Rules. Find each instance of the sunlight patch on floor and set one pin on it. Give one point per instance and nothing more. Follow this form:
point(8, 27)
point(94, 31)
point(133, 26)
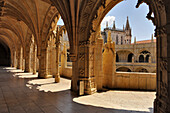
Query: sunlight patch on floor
point(25, 75)
point(49, 85)
point(126, 100)
point(41, 81)
point(10, 69)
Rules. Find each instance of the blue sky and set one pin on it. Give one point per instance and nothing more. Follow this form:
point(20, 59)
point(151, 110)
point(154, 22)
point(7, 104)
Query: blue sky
point(142, 28)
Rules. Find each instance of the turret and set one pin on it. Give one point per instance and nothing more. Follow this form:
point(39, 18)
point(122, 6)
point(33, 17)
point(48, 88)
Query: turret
point(135, 40)
point(114, 25)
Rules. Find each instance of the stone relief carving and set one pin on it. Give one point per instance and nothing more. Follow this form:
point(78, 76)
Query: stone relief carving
point(163, 63)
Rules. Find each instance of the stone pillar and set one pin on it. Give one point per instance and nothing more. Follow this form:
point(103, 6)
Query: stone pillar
point(83, 68)
point(37, 64)
point(27, 60)
point(63, 58)
point(43, 63)
point(23, 64)
point(162, 101)
point(74, 80)
point(49, 58)
point(19, 66)
point(57, 75)
point(150, 59)
point(109, 63)
point(99, 63)
point(35, 59)
point(14, 60)
point(133, 59)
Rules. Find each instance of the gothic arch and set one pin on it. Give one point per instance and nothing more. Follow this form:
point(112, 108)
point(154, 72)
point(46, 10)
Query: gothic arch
point(123, 69)
point(5, 57)
point(141, 69)
point(49, 23)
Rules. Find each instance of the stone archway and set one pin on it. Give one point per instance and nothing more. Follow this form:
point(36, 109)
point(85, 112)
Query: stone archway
point(83, 27)
point(5, 57)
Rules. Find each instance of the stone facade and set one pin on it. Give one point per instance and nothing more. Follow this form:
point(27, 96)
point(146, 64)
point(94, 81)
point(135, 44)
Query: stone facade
point(139, 56)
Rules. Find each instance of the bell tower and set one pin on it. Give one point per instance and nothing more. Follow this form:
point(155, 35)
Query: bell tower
point(128, 32)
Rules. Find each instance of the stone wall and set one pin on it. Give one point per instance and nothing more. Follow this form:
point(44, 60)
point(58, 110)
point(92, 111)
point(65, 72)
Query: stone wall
point(134, 80)
point(125, 80)
point(67, 73)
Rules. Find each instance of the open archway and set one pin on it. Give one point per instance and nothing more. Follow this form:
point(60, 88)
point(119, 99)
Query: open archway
point(143, 70)
point(130, 56)
point(5, 57)
point(123, 69)
point(141, 58)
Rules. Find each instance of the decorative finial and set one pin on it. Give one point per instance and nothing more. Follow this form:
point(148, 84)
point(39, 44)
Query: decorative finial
point(135, 40)
point(109, 36)
point(114, 25)
point(152, 38)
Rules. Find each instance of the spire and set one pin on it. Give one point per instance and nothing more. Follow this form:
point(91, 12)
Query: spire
point(127, 24)
point(106, 24)
point(114, 25)
point(123, 27)
point(135, 40)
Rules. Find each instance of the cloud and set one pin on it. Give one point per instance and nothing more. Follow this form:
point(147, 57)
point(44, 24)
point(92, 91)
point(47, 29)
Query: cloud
point(108, 19)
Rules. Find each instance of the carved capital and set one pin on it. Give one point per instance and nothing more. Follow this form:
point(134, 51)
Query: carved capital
point(160, 31)
point(84, 43)
point(160, 5)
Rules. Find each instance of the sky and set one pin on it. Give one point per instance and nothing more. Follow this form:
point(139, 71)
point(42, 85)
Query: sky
point(142, 28)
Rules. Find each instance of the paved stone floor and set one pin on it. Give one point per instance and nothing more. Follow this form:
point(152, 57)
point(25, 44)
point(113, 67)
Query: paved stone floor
point(24, 93)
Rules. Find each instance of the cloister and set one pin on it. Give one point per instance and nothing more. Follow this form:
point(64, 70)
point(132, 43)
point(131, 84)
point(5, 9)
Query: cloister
point(30, 40)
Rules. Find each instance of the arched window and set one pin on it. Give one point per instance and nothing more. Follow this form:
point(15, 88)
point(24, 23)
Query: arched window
point(117, 58)
point(117, 40)
point(141, 58)
point(130, 57)
point(147, 58)
point(121, 40)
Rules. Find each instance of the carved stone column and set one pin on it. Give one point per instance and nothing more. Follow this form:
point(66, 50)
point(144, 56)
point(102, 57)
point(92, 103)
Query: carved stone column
point(27, 60)
point(86, 67)
point(53, 61)
point(19, 66)
point(162, 101)
point(23, 64)
point(99, 63)
point(57, 75)
point(35, 59)
point(14, 59)
point(63, 58)
point(43, 63)
point(49, 59)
